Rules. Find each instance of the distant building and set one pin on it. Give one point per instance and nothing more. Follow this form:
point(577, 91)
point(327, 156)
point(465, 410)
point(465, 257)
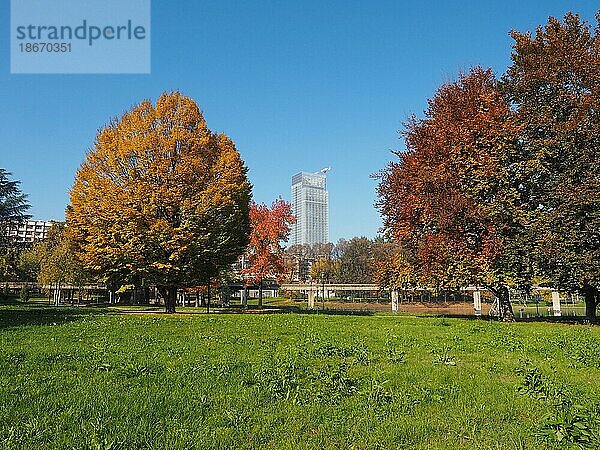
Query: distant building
point(301, 269)
point(310, 205)
point(26, 233)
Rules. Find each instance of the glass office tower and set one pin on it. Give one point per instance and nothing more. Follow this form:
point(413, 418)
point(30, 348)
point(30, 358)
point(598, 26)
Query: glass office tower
point(310, 205)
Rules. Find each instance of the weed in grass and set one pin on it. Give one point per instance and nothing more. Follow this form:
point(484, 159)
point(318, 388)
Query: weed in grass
point(503, 338)
point(566, 425)
point(583, 349)
point(96, 436)
point(533, 383)
point(238, 419)
point(396, 356)
point(281, 380)
point(135, 370)
point(333, 384)
point(104, 367)
point(443, 322)
point(14, 359)
point(221, 369)
point(494, 368)
point(359, 352)
point(568, 428)
point(443, 356)
point(328, 350)
point(379, 394)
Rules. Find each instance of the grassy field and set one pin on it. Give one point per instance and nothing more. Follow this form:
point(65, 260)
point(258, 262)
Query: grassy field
point(94, 378)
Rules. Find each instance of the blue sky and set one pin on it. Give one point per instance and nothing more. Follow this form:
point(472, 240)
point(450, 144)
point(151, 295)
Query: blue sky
point(297, 85)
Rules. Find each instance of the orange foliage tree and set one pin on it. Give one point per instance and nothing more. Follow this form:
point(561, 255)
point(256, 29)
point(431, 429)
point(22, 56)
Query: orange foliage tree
point(160, 198)
point(269, 227)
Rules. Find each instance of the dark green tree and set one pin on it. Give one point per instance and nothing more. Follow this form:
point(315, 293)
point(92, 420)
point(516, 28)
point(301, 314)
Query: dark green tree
point(553, 85)
point(13, 203)
point(13, 209)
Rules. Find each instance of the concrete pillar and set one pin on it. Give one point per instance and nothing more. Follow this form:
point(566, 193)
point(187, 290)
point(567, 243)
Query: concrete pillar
point(394, 300)
point(556, 303)
point(244, 297)
point(477, 302)
point(311, 299)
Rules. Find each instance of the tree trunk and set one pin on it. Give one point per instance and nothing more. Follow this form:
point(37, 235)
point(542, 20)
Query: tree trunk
point(58, 294)
point(197, 298)
point(169, 294)
point(260, 293)
point(136, 294)
point(146, 295)
point(590, 294)
point(208, 299)
point(505, 310)
point(172, 299)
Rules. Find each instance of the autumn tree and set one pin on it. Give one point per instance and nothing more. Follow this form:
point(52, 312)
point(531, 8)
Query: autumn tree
point(29, 262)
point(297, 262)
point(324, 269)
point(449, 202)
point(160, 198)
point(390, 269)
point(321, 250)
point(553, 85)
point(356, 261)
point(53, 262)
point(269, 227)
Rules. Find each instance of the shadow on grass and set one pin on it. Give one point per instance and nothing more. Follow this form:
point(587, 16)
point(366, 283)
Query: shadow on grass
point(573, 320)
point(293, 309)
point(577, 320)
point(16, 314)
point(339, 312)
point(19, 314)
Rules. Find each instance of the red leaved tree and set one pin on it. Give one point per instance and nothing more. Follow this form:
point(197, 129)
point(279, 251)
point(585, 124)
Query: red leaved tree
point(269, 227)
point(444, 202)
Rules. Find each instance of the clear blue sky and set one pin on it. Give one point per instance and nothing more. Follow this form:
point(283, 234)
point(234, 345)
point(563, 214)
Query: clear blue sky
point(297, 85)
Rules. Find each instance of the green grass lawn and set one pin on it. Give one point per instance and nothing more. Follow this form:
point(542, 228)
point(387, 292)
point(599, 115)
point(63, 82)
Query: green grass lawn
point(91, 378)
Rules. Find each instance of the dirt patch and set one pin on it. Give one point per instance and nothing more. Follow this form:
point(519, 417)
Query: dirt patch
point(450, 308)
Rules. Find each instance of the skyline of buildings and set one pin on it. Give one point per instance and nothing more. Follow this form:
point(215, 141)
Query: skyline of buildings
point(310, 205)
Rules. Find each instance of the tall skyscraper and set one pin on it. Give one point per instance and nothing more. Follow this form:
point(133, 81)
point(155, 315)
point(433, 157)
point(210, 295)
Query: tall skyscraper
point(310, 205)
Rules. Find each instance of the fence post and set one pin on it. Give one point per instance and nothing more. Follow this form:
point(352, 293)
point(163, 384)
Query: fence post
point(477, 302)
point(394, 300)
point(556, 303)
point(311, 299)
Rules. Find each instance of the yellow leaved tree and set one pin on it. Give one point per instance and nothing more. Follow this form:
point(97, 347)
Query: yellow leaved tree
point(161, 198)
